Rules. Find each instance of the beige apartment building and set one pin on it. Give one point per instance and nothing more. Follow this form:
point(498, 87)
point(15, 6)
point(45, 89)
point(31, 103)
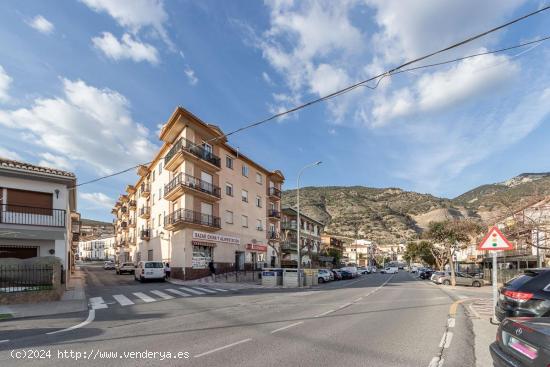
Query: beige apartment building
point(200, 200)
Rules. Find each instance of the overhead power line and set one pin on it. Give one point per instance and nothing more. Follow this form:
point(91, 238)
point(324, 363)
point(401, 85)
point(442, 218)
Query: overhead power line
point(393, 71)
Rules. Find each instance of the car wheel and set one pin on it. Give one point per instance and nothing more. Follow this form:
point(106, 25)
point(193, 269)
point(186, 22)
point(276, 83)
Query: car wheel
point(446, 282)
point(476, 284)
point(321, 280)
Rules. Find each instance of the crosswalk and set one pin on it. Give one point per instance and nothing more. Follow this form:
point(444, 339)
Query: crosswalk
point(152, 295)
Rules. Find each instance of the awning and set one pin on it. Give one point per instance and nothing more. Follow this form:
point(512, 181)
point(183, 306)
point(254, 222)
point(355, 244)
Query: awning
point(203, 243)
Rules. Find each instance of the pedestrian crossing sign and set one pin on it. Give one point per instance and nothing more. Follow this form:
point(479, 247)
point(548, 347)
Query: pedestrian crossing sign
point(495, 241)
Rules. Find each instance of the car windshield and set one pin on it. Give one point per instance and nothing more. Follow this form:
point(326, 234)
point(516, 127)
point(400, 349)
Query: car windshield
point(154, 265)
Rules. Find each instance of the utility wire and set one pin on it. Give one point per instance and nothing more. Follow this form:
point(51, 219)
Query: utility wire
point(395, 70)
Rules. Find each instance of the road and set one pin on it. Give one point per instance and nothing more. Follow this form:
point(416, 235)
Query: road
point(375, 320)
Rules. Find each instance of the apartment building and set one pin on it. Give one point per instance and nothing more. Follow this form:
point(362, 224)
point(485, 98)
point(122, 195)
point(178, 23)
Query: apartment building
point(97, 248)
point(331, 247)
point(310, 238)
point(200, 200)
point(37, 212)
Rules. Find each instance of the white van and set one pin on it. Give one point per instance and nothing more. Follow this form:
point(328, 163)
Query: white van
point(390, 270)
point(149, 270)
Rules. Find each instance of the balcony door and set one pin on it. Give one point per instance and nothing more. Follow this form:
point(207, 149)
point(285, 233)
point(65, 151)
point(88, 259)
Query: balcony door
point(206, 213)
point(206, 181)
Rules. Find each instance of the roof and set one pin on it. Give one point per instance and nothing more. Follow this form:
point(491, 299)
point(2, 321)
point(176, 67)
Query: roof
point(291, 211)
point(11, 164)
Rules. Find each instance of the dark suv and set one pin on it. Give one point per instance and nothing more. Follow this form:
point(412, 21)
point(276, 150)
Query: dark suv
point(527, 295)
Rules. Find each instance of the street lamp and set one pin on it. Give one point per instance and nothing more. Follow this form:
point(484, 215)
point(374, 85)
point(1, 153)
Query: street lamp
point(298, 215)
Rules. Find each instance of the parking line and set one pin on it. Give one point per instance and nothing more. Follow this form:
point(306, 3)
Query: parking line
point(97, 303)
point(220, 290)
point(123, 300)
point(448, 339)
point(286, 327)
point(205, 290)
point(175, 291)
point(89, 319)
point(325, 313)
point(191, 290)
point(162, 294)
point(222, 348)
point(4, 341)
point(144, 297)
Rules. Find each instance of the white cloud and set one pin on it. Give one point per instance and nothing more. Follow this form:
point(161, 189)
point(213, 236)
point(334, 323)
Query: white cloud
point(4, 153)
point(41, 24)
point(134, 14)
point(127, 48)
point(98, 199)
point(5, 82)
point(267, 78)
point(190, 73)
point(89, 127)
point(55, 161)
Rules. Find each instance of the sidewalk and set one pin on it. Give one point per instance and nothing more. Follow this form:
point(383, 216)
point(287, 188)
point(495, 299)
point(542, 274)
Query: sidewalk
point(220, 282)
point(73, 300)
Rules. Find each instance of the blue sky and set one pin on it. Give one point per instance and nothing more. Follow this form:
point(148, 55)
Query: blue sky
point(85, 84)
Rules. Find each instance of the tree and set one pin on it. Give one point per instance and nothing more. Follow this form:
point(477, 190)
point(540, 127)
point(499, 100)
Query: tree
point(447, 237)
point(420, 251)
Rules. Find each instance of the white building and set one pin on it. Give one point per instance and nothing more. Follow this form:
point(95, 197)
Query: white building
point(37, 212)
point(97, 248)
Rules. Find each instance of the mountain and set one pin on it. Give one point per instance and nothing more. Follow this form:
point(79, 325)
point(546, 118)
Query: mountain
point(392, 215)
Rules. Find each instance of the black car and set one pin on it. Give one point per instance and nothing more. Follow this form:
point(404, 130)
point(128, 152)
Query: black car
point(527, 295)
point(425, 274)
point(522, 342)
point(346, 274)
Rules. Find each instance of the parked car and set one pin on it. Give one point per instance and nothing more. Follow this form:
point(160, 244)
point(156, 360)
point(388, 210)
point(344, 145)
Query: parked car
point(436, 275)
point(125, 268)
point(352, 270)
point(390, 270)
point(346, 274)
point(149, 270)
point(461, 279)
point(109, 265)
point(324, 275)
point(522, 342)
point(527, 295)
point(425, 274)
point(365, 270)
point(337, 274)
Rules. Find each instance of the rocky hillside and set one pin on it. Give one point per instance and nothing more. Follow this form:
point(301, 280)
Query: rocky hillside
point(392, 215)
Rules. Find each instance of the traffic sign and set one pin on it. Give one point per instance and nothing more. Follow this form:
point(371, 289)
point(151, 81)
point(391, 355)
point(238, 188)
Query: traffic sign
point(495, 241)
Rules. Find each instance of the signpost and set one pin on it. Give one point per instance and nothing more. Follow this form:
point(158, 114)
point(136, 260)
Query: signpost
point(495, 241)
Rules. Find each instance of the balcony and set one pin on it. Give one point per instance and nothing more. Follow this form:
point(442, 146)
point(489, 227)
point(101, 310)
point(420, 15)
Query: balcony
point(145, 190)
point(184, 183)
point(274, 193)
point(289, 226)
point(184, 147)
point(185, 217)
point(145, 234)
point(132, 205)
point(273, 214)
point(144, 212)
point(32, 216)
point(132, 223)
point(273, 235)
point(289, 246)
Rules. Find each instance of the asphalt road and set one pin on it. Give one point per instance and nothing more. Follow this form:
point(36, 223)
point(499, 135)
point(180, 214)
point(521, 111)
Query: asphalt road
point(375, 320)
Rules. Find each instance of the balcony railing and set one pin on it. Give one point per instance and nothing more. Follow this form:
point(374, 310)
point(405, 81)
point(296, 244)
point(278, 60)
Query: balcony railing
point(272, 235)
point(289, 225)
point(132, 204)
point(196, 150)
point(145, 234)
point(145, 189)
point(273, 191)
point(144, 210)
point(190, 216)
point(194, 183)
point(289, 246)
point(272, 213)
point(33, 216)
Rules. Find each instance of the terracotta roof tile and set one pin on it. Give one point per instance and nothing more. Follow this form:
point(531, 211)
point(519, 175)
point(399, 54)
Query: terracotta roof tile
point(8, 163)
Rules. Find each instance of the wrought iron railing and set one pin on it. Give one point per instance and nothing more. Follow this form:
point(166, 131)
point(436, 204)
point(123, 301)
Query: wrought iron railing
point(28, 215)
point(190, 216)
point(273, 191)
point(25, 278)
point(272, 213)
point(192, 182)
point(196, 150)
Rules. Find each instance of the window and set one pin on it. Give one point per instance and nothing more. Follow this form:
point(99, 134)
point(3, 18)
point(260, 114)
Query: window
point(153, 199)
point(258, 201)
point(259, 225)
point(160, 193)
point(228, 162)
point(244, 221)
point(259, 178)
point(228, 189)
point(228, 217)
point(208, 148)
point(160, 168)
point(160, 218)
point(244, 195)
point(245, 170)
point(153, 175)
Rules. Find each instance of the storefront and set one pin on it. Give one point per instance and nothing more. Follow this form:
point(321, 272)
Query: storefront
point(256, 255)
point(203, 253)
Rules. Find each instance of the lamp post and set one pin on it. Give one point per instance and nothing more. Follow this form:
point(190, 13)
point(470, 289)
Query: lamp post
point(298, 216)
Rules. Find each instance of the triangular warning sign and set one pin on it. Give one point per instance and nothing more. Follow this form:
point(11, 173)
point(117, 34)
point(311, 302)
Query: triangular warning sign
point(495, 240)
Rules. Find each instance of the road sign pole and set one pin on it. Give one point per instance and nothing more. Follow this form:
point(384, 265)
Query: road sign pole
point(495, 292)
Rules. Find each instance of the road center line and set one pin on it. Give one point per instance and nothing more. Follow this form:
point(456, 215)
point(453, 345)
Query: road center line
point(286, 327)
point(451, 322)
point(91, 317)
point(4, 341)
point(224, 347)
point(325, 313)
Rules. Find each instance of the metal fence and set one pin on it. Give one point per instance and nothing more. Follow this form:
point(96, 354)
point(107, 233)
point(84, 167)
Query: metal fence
point(503, 275)
point(25, 278)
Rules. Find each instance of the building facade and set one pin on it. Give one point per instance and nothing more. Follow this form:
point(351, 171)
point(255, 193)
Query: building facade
point(97, 248)
point(310, 238)
point(199, 200)
point(38, 214)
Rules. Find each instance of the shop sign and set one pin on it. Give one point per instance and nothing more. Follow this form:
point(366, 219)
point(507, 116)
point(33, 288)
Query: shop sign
point(256, 247)
point(197, 235)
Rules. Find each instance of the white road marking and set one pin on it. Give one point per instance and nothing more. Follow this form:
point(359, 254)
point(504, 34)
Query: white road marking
point(97, 303)
point(222, 348)
point(325, 313)
point(358, 299)
point(162, 294)
point(175, 291)
point(446, 340)
point(144, 297)
point(286, 327)
point(4, 341)
point(205, 290)
point(123, 300)
point(436, 362)
point(220, 290)
point(191, 290)
point(442, 340)
point(91, 317)
point(462, 296)
point(451, 322)
point(344, 306)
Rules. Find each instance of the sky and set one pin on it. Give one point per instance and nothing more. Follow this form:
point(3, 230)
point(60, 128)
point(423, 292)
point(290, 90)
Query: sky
point(85, 85)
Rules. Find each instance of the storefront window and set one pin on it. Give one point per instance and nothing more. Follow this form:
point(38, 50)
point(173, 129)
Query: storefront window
point(202, 255)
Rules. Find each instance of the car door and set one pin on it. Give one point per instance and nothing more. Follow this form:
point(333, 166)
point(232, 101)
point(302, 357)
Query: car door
point(461, 279)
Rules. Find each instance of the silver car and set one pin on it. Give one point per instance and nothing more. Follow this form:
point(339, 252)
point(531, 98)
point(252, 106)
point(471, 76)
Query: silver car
point(461, 279)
